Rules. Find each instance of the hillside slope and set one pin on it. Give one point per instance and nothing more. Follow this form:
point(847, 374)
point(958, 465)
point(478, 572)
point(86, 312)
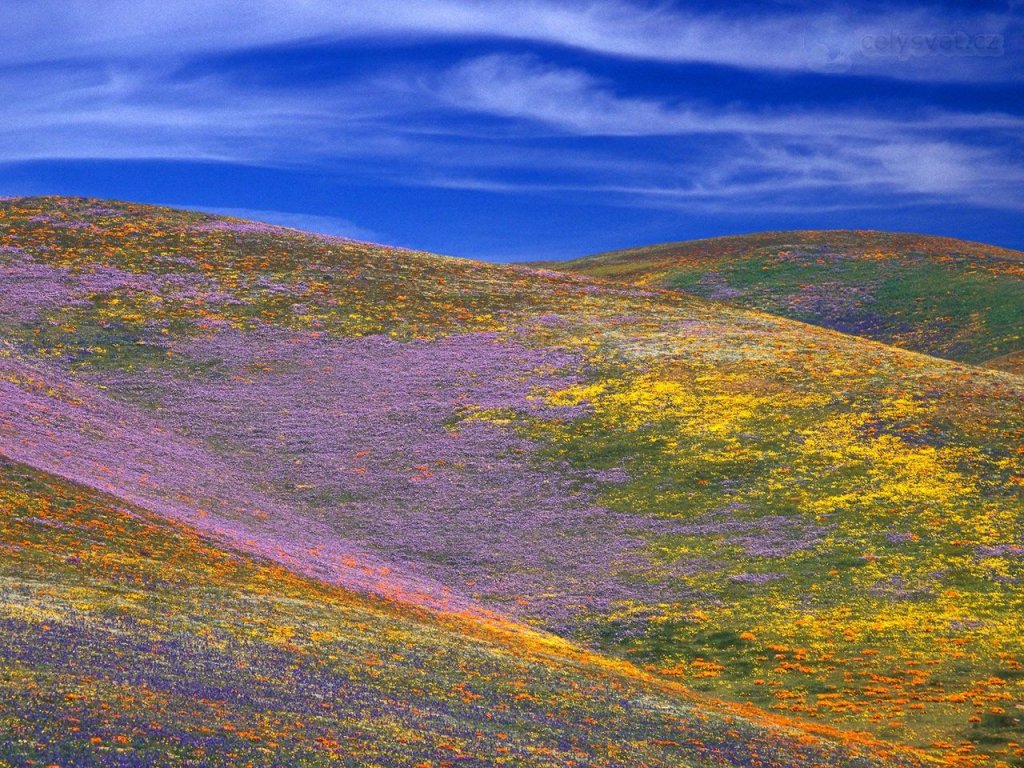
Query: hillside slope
point(768, 512)
point(951, 298)
point(131, 641)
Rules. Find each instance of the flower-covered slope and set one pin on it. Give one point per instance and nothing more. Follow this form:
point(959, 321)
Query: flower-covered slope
point(772, 513)
point(946, 297)
point(130, 641)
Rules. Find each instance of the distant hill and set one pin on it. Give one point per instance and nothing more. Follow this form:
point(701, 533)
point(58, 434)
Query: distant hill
point(946, 297)
point(215, 428)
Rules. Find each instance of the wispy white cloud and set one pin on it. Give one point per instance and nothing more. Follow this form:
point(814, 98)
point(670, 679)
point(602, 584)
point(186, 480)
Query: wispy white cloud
point(113, 85)
point(825, 172)
point(323, 225)
point(908, 43)
point(757, 156)
point(113, 111)
point(574, 101)
point(768, 154)
point(794, 175)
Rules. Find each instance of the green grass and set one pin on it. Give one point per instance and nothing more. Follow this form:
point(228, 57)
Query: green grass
point(958, 300)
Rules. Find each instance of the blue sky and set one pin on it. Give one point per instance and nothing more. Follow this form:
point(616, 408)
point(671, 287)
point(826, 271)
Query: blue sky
point(525, 129)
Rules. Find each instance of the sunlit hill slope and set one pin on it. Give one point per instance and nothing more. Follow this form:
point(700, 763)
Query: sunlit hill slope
point(947, 297)
point(343, 488)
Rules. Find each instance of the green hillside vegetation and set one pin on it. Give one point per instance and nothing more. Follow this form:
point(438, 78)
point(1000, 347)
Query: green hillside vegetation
point(951, 298)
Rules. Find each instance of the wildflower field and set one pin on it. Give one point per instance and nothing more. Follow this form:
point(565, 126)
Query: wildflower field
point(282, 499)
point(945, 297)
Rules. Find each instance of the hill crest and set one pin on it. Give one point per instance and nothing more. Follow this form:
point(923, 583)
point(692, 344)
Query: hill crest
point(951, 298)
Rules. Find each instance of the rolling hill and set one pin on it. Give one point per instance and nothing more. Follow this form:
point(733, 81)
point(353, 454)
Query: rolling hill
point(129, 640)
point(951, 298)
point(656, 500)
